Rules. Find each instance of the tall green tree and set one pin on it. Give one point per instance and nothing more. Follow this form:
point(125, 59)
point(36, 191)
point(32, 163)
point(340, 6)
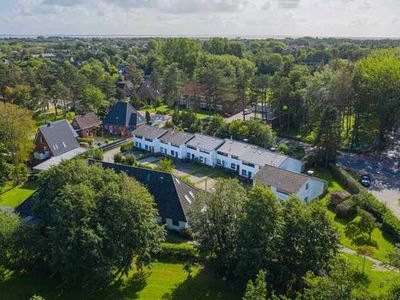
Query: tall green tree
point(93, 99)
point(260, 232)
point(258, 289)
point(172, 84)
point(328, 135)
point(377, 88)
point(97, 223)
point(215, 219)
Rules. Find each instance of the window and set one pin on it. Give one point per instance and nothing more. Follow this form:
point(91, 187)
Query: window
point(191, 147)
point(203, 151)
point(172, 152)
point(244, 173)
point(149, 140)
point(136, 144)
point(161, 149)
point(175, 222)
point(306, 199)
point(146, 147)
point(233, 166)
point(248, 164)
point(222, 153)
point(188, 155)
point(307, 186)
point(234, 157)
point(218, 162)
point(175, 145)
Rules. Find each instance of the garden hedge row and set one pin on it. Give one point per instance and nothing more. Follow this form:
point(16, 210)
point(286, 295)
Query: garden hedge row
point(349, 182)
point(181, 252)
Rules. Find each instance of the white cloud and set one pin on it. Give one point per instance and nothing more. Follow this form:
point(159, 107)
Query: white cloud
point(361, 18)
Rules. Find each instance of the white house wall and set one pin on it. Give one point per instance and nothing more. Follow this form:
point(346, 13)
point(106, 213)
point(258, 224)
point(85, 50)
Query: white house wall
point(174, 151)
point(152, 146)
point(209, 159)
point(312, 189)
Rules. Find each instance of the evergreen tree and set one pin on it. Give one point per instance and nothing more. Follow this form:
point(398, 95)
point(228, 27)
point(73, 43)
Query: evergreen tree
point(328, 135)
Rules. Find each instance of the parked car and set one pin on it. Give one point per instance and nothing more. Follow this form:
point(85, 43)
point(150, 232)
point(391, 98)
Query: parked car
point(365, 180)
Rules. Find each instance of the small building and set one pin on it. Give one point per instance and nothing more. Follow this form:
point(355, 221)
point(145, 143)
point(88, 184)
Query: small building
point(203, 149)
point(173, 143)
point(86, 125)
point(54, 139)
point(285, 183)
point(147, 138)
point(172, 196)
point(339, 196)
point(122, 119)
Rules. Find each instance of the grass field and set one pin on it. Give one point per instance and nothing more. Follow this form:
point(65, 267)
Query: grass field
point(165, 280)
point(12, 195)
point(377, 283)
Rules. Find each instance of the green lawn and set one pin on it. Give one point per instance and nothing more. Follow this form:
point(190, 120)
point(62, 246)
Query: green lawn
point(165, 280)
point(381, 243)
point(377, 282)
point(167, 110)
point(14, 195)
point(334, 184)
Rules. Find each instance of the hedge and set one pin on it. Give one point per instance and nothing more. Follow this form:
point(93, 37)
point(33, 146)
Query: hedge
point(127, 147)
point(181, 252)
point(349, 182)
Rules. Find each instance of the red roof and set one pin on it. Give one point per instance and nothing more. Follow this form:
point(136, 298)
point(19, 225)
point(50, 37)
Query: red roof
point(192, 88)
point(88, 120)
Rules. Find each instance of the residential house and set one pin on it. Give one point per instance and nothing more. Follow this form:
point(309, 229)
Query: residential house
point(54, 138)
point(127, 88)
point(285, 183)
point(147, 92)
point(247, 159)
point(203, 149)
point(56, 141)
point(173, 143)
point(86, 125)
point(122, 119)
point(147, 138)
point(171, 195)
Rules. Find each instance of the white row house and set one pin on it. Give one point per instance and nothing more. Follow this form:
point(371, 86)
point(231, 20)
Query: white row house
point(247, 159)
point(280, 172)
point(148, 138)
point(203, 148)
point(173, 143)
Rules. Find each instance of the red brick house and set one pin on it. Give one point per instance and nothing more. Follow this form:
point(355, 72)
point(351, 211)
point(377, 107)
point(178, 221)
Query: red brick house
point(86, 125)
point(122, 119)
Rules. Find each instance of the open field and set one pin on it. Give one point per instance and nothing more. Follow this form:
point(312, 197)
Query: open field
point(12, 195)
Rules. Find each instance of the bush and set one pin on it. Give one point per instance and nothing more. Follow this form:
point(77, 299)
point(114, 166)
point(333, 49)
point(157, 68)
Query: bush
point(96, 154)
point(347, 209)
point(86, 140)
point(119, 158)
point(181, 252)
point(165, 165)
point(130, 159)
point(127, 147)
point(283, 148)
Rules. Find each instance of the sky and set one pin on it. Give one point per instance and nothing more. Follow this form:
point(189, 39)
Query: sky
point(251, 18)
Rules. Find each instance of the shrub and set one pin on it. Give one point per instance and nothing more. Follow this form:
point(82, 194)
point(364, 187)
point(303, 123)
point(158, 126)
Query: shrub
point(96, 154)
point(86, 140)
point(165, 165)
point(347, 209)
point(119, 158)
point(283, 148)
point(127, 147)
point(181, 252)
point(130, 159)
